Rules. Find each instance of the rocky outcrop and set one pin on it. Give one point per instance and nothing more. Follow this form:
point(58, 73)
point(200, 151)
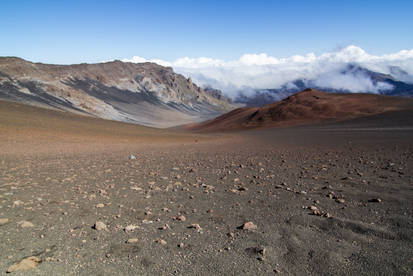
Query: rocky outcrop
point(144, 93)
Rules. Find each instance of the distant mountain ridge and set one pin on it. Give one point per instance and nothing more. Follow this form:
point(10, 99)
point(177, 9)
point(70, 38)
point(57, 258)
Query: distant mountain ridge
point(399, 83)
point(144, 93)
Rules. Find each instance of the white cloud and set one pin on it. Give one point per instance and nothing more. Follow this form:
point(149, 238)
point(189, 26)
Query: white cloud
point(261, 71)
point(135, 59)
point(357, 83)
point(138, 59)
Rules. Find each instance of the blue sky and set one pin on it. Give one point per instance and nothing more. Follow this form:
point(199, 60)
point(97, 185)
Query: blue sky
point(93, 31)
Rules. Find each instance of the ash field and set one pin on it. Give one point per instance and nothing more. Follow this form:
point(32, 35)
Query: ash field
point(87, 196)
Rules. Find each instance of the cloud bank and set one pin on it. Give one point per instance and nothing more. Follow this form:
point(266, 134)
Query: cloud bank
point(261, 71)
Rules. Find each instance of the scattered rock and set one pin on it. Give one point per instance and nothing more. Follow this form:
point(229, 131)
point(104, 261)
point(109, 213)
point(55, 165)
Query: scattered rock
point(131, 227)
point(313, 208)
point(161, 242)
point(321, 214)
point(249, 226)
point(181, 218)
point(195, 226)
point(100, 226)
point(377, 200)
point(25, 264)
point(164, 227)
point(18, 203)
point(25, 224)
point(262, 251)
point(317, 212)
point(133, 240)
point(331, 195)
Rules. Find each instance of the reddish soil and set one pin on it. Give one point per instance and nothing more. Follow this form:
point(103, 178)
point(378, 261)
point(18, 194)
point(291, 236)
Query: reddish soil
point(307, 107)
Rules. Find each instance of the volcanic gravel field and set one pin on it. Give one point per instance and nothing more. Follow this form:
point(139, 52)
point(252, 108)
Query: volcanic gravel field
point(83, 196)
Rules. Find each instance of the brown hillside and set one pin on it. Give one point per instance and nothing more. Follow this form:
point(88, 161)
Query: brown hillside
point(307, 107)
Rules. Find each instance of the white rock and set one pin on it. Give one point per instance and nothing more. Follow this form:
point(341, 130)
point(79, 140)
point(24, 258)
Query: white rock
point(249, 226)
point(161, 242)
point(100, 226)
point(25, 224)
point(131, 227)
point(25, 264)
point(133, 240)
point(17, 203)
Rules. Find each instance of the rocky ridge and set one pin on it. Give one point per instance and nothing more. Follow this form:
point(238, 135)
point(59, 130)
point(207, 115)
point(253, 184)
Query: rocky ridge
point(144, 93)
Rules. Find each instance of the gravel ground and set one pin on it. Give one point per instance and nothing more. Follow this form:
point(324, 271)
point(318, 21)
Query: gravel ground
point(320, 202)
point(102, 198)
